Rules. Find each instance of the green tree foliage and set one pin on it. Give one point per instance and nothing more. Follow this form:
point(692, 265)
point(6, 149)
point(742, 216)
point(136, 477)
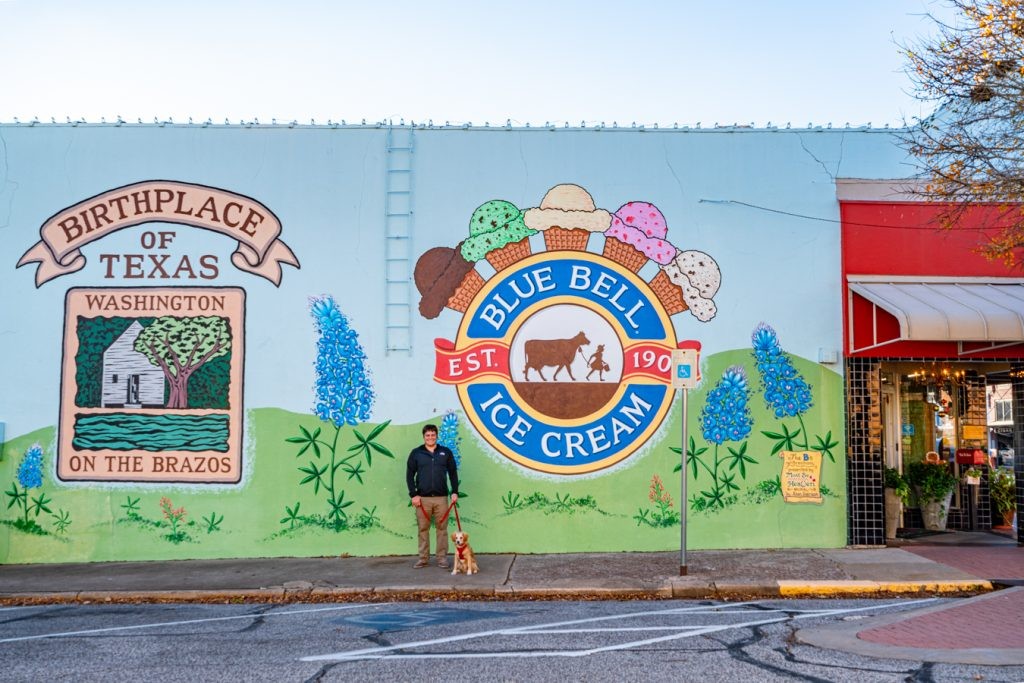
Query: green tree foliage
point(208, 387)
point(180, 346)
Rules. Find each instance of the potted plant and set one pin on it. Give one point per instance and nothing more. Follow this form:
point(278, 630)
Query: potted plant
point(1001, 487)
point(933, 486)
point(972, 477)
point(897, 494)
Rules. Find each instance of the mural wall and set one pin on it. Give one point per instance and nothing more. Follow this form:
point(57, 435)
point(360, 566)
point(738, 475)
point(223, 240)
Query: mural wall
point(224, 341)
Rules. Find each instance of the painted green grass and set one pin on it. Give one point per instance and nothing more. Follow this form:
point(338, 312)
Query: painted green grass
point(596, 513)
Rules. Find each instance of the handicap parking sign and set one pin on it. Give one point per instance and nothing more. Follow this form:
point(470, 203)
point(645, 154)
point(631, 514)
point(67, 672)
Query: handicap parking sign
point(687, 372)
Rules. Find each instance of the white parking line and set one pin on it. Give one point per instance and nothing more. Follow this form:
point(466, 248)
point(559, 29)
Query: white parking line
point(67, 634)
point(374, 651)
point(387, 652)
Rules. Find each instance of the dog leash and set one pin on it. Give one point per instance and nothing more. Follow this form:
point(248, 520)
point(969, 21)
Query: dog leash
point(453, 506)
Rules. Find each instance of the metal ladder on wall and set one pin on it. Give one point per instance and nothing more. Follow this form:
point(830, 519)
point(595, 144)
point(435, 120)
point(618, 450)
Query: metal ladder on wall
point(398, 224)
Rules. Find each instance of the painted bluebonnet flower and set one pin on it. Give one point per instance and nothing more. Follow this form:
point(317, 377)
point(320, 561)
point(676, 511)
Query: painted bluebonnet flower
point(785, 390)
point(726, 415)
point(30, 471)
point(449, 435)
point(344, 394)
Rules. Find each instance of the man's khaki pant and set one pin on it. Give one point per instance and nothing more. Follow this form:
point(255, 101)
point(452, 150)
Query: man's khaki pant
point(434, 507)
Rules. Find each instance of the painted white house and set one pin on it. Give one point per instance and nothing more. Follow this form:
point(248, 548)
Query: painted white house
point(129, 379)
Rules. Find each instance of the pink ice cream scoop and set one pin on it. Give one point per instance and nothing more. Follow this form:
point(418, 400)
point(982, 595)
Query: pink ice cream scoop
point(641, 225)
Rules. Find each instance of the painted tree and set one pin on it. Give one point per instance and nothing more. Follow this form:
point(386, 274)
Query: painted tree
point(180, 346)
point(969, 151)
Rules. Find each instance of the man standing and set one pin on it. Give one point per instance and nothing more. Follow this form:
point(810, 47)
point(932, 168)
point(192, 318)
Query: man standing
point(427, 473)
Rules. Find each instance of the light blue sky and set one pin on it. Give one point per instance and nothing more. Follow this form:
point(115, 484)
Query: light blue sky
point(530, 61)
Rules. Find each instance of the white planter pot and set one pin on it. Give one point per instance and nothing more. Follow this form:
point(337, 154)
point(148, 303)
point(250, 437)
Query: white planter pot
point(893, 510)
point(935, 513)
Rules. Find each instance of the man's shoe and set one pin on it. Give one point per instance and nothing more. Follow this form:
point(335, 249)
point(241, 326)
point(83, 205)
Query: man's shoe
point(420, 565)
point(442, 563)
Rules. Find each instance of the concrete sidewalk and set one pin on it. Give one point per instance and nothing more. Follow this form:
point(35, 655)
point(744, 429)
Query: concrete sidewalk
point(916, 570)
point(721, 574)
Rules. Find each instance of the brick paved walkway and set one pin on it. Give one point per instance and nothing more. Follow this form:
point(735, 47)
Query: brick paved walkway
point(992, 621)
point(984, 562)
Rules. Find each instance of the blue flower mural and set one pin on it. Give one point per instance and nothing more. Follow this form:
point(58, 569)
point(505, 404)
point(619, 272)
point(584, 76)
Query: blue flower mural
point(785, 390)
point(724, 418)
point(449, 435)
point(30, 476)
point(786, 393)
point(344, 394)
point(344, 397)
point(30, 471)
point(726, 415)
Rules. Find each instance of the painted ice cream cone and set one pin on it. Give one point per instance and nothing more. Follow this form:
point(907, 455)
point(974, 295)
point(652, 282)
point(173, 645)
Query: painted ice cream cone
point(567, 217)
point(497, 232)
point(445, 278)
point(637, 234)
point(696, 277)
point(463, 296)
point(670, 295)
point(503, 257)
point(560, 239)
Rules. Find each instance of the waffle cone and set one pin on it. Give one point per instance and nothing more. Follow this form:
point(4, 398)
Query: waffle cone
point(560, 239)
point(624, 254)
point(670, 295)
point(510, 253)
point(467, 289)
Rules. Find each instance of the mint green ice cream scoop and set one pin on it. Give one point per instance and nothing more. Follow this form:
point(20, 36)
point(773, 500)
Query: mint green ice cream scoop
point(493, 225)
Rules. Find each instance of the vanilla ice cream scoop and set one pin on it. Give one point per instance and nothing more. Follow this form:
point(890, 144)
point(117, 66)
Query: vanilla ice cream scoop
point(698, 276)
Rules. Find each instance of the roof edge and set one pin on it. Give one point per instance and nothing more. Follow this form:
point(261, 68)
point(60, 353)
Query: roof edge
point(935, 279)
point(864, 190)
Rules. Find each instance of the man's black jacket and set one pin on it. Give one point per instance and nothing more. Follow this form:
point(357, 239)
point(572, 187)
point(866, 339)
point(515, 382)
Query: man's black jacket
point(425, 472)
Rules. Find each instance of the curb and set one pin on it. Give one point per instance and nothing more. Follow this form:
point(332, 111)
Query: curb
point(831, 589)
point(693, 588)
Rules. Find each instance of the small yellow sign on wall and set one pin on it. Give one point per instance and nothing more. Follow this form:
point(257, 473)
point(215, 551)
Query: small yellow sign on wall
point(974, 432)
point(801, 476)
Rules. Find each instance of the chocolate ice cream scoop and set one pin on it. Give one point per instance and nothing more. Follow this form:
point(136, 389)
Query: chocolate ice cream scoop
point(438, 274)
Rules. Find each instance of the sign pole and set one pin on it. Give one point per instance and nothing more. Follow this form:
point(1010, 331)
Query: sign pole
point(685, 376)
point(682, 488)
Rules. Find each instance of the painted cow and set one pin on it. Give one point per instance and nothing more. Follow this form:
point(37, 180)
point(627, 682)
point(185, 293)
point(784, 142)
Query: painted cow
point(557, 353)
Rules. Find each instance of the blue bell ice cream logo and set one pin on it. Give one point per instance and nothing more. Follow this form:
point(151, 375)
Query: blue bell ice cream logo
point(562, 360)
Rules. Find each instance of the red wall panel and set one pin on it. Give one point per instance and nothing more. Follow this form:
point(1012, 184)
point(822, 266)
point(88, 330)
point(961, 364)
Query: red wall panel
point(887, 238)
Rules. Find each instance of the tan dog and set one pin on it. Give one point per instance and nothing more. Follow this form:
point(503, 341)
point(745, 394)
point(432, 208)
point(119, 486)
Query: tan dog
point(464, 560)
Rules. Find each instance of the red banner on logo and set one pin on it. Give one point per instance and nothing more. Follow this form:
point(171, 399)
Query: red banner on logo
point(647, 360)
point(458, 366)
